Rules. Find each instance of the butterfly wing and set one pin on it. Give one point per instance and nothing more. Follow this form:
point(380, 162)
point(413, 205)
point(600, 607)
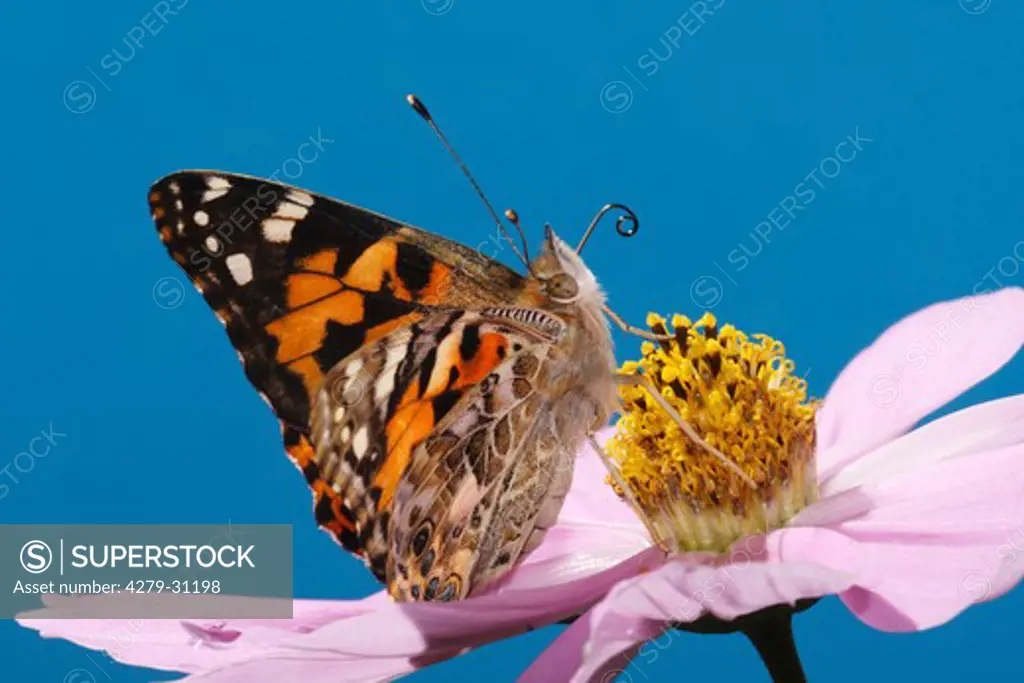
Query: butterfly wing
point(374, 410)
point(301, 282)
point(438, 439)
point(482, 489)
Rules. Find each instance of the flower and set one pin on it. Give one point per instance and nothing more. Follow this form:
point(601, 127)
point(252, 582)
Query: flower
point(904, 524)
point(754, 467)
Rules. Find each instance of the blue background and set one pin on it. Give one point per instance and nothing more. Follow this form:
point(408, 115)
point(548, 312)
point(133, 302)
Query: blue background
point(556, 108)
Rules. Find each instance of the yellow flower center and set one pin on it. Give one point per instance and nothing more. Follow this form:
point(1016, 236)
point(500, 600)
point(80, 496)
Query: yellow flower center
point(740, 396)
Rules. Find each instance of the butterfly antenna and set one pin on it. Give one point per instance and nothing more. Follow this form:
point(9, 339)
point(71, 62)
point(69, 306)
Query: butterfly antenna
point(513, 218)
point(623, 230)
point(420, 109)
point(627, 215)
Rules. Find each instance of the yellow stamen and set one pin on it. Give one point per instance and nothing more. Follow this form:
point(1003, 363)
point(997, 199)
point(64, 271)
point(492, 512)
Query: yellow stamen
point(740, 396)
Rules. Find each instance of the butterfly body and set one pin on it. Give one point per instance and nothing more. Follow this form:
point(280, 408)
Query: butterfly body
point(432, 398)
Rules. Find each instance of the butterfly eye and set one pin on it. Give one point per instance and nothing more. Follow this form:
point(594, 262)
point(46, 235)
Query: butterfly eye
point(562, 287)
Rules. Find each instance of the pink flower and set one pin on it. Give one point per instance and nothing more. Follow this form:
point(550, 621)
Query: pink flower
point(907, 530)
point(911, 527)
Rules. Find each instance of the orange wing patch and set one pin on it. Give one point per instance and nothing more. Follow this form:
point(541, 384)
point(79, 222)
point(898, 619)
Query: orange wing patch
point(317, 297)
point(302, 331)
point(321, 262)
point(461, 363)
point(382, 263)
point(368, 272)
point(298, 448)
point(492, 351)
point(405, 430)
point(309, 370)
point(438, 284)
point(315, 281)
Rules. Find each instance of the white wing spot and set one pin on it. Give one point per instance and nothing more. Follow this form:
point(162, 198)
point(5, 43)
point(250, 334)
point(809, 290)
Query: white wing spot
point(181, 227)
point(346, 432)
point(300, 198)
point(278, 230)
point(360, 442)
point(178, 205)
point(201, 218)
point(212, 245)
point(210, 195)
point(217, 183)
point(386, 384)
point(290, 210)
point(175, 188)
point(339, 414)
point(240, 268)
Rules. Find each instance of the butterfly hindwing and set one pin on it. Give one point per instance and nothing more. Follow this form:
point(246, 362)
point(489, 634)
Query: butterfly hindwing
point(375, 408)
point(475, 492)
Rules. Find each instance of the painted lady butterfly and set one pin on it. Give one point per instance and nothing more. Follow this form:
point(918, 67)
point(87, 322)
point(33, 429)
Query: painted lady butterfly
point(432, 397)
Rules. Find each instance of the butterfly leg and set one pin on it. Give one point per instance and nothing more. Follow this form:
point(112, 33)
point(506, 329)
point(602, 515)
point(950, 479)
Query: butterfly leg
point(617, 476)
point(645, 383)
point(631, 329)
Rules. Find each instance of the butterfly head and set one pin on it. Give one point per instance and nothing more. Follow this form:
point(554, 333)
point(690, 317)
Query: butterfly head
point(564, 277)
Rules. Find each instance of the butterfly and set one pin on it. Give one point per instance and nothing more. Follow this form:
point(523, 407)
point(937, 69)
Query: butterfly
point(432, 397)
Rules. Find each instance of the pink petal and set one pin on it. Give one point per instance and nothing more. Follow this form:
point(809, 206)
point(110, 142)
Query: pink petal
point(823, 547)
point(591, 499)
point(972, 499)
point(916, 587)
point(399, 638)
point(939, 539)
point(682, 591)
point(172, 645)
point(282, 665)
point(416, 628)
point(607, 655)
point(572, 551)
point(918, 365)
point(926, 543)
point(983, 427)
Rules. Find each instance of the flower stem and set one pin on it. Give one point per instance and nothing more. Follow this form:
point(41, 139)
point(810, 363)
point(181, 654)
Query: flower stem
point(772, 636)
point(769, 629)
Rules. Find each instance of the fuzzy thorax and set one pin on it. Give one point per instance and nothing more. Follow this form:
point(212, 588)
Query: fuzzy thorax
point(739, 394)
